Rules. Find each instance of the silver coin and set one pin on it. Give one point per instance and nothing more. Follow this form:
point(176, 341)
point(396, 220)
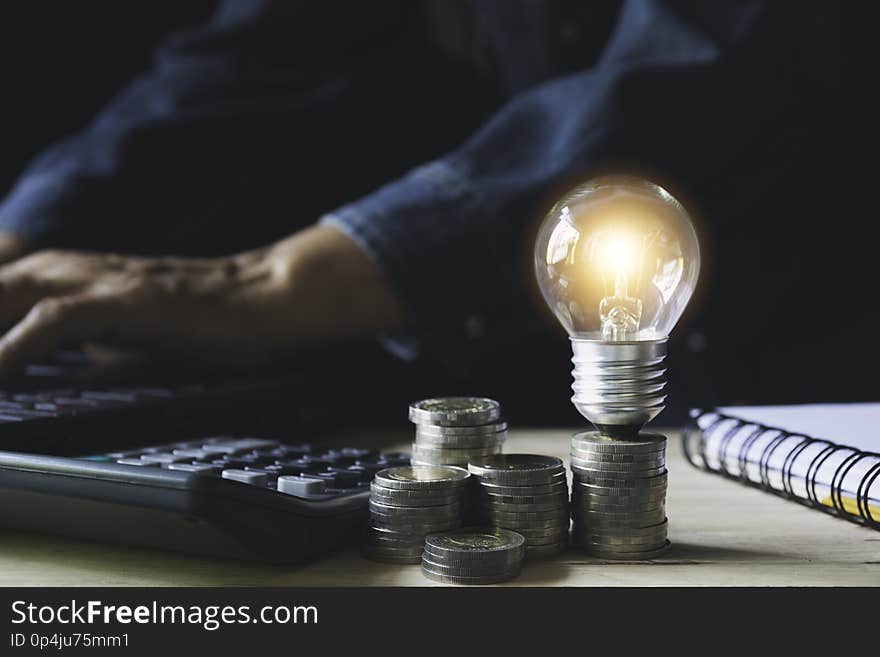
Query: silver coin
point(621, 555)
point(495, 442)
point(503, 507)
point(628, 502)
point(593, 440)
point(585, 498)
point(520, 511)
point(507, 556)
point(518, 469)
point(428, 494)
point(456, 579)
point(455, 411)
point(592, 489)
point(471, 431)
point(597, 519)
point(525, 527)
point(471, 540)
point(432, 477)
point(615, 469)
point(560, 486)
point(410, 503)
point(621, 542)
point(617, 481)
point(415, 513)
point(548, 498)
point(430, 453)
point(545, 551)
point(469, 570)
point(614, 457)
point(415, 527)
point(649, 532)
point(543, 532)
point(596, 504)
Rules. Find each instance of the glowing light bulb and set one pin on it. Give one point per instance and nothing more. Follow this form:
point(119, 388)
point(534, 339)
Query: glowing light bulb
point(617, 260)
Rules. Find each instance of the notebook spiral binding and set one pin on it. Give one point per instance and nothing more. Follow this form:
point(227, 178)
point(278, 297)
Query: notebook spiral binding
point(841, 462)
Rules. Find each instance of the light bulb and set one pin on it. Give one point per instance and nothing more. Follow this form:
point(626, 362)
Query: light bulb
point(617, 260)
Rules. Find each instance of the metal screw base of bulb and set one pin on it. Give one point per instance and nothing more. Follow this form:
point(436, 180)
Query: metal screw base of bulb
point(619, 386)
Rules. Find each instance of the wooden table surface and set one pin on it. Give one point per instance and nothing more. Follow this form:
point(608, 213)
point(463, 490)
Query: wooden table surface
point(723, 534)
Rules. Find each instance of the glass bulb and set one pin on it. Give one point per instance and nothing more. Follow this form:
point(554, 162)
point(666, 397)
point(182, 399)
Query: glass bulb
point(617, 259)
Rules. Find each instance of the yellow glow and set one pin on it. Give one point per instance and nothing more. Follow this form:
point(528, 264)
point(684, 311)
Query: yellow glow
point(620, 253)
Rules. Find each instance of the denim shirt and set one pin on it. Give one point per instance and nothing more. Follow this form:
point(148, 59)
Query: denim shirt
point(678, 89)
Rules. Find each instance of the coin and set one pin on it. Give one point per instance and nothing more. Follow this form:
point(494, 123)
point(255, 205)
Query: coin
point(658, 458)
point(593, 440)
point(415, 512)
point(518, 469)
point(415, 501)
point(560, 487)
point(592, 489)
point(422, 477)
point(628, 555)
point(483, 431)
point(531, 507)
point(475, 540)
point(495, 441)
point(457, 579)
point(545, 551)
point(616, 481)
point(427, 494)
point(560, 497)
point(615, 470)
point(423, 453)
point(414, 527)
point(455, 411)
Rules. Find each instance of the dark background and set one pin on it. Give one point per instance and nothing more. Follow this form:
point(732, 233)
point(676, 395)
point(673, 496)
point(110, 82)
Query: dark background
point(784, 313)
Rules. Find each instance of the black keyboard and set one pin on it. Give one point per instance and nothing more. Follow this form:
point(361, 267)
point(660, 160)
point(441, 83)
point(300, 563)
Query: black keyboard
point(69, 404)
point(231, 496)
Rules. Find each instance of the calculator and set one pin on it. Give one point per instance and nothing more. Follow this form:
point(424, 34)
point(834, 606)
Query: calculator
point(240, 497)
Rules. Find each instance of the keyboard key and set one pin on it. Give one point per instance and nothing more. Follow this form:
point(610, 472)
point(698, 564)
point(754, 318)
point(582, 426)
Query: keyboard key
point(345, 478)
point(163, 458)
point(192, 453)
point(301, 486)
point(245, 477)
point(199, 468)
point(136, 462)
point(107, 396)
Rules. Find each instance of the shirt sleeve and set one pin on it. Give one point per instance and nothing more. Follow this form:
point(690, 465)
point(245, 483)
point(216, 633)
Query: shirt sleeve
point(453, 236)
point(206, 137)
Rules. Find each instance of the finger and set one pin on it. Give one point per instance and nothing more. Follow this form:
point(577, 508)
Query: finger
point(52, 322)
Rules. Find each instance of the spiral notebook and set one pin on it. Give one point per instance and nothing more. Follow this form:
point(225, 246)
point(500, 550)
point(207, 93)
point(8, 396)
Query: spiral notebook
point(826, 456)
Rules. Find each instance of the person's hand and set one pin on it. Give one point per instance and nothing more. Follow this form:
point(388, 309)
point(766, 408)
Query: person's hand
point(250, 308)
point(12, 247)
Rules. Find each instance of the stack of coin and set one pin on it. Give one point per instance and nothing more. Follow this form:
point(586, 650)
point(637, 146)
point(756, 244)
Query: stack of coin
point(409, 502)
point(527, 494)
point(618, 498)
point(456, 430)
point(473, 556)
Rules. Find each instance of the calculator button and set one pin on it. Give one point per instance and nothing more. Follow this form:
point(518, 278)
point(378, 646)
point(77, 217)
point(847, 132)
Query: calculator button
point(246, 477)
point(162, 458)
point(292, 485)
point(192, 453)
point(344, 478)
point(135, 462)
point(201, 468)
